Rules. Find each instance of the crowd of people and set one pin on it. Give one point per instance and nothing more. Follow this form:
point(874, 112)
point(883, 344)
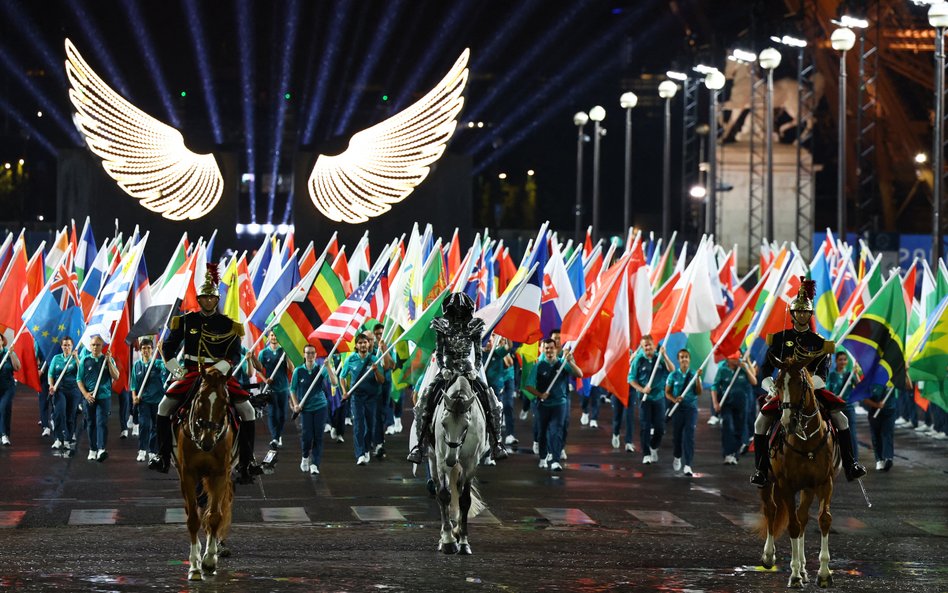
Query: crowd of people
point(361, 396)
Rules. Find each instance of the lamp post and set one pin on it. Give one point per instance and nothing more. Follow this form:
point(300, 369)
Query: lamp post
point(596, 114)
point(667, 90)
point(842, 41)
point(627, 101)
point(714, 81)
point(579, 120)
point(938, 18)
point(769, 59)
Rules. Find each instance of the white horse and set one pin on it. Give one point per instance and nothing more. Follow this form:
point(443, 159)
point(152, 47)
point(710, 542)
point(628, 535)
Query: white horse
point(460, 440)
point(785, 99)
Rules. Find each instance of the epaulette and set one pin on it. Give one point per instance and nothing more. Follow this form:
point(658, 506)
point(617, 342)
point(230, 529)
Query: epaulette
point(829, 346)
point(239, 329)
point(175, 322)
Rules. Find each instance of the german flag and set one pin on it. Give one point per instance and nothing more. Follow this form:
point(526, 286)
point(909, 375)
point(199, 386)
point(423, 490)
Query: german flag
point(307, 311)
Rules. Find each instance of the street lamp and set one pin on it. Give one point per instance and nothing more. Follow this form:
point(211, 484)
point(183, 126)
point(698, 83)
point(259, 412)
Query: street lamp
point(667, 90)
point(938, 18)
point(596, 114)
point(579, 120)
point(627, 101)
point(842, 41)
point(714, 81)
point(769, 59)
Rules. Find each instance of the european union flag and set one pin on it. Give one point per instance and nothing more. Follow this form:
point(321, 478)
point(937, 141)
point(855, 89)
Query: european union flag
point(49, 325)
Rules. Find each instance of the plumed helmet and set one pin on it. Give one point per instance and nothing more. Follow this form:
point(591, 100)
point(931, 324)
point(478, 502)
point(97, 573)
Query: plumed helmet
point(804, 299)
point(211, 279)
point(458, 304)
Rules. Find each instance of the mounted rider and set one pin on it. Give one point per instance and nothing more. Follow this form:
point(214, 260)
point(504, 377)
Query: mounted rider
point(211, 343)
point(458, 335)
point(784, 344)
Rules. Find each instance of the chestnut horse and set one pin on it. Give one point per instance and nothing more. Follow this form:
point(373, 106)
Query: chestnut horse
point(205, 454)
point(805, 462)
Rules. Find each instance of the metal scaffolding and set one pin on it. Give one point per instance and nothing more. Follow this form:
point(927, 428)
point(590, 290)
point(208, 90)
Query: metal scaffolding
point(689, 151)
point(805, 190)
point(757, 170)
point(867, 187)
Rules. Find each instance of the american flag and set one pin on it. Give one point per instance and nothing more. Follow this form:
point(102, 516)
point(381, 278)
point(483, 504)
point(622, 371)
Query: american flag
point(368, 300)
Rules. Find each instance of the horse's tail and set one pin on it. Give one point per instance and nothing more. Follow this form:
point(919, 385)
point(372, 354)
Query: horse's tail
point(781, 514)
point(477, 503)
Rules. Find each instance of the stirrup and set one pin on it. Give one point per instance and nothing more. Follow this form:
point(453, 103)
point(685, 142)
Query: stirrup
point(498, 452)
point(854, 472)
point(759, 479)
point(416, 455)
point(160, 464)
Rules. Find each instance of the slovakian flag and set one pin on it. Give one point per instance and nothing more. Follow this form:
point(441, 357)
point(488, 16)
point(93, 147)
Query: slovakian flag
point(557, 297)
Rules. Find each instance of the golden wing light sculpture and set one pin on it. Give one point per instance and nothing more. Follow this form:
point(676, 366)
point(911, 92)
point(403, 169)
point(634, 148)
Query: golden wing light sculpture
point(145, 157)
point(383, 164)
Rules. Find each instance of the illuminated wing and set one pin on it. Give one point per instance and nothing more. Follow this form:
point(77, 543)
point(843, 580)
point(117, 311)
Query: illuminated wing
point(148, 159)
point(383, 164)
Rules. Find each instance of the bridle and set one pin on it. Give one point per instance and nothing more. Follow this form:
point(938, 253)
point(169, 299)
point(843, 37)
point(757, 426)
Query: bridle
point(457, 405)
point(802, 413)
point(206, 424)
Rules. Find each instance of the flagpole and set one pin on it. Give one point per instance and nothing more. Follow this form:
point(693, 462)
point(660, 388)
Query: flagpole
point(882, 403)
point(65, 367)
point(382, 260)
point(10, 345)
point(279, 362)
point(98, 380)
point(729, 385)
point(671, 326)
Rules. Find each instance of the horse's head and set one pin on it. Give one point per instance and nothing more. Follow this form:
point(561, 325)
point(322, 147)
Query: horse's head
point(795, 387)
point(207, 420)
point(456, 420)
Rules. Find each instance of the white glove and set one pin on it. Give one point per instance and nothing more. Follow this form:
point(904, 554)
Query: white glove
point(174, 368)
point(818, 382)
point(767, 384)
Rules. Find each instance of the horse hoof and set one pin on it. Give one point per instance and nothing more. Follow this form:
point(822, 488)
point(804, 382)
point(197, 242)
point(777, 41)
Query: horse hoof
point(465, 550)
point(795, 583)
point(825, 582)
point(209, 567)
point(195, 575)
point(768, 564)
point(222, 551)
point(451, 548)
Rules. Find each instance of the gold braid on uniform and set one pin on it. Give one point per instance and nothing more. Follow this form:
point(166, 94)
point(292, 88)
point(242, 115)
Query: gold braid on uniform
point(213, 339)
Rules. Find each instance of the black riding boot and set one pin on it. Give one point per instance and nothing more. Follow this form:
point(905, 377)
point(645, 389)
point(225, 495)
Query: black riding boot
point(853, 470)
point(162, 462)
point(492, 417)
point(417, 454)
point(246, 468)
point(761, 460)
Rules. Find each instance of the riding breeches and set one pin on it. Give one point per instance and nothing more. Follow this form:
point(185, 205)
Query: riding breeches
point(168, 406)
point(764, 421)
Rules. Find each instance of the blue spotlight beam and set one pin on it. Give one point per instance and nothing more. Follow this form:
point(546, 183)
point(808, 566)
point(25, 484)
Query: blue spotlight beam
point(514, 76)
point(25, 123)
point(245, 41)
point(352, 54)
point(584, 60)
point(24, 25)
point(435, 50)
point(286, 66)
point(565, 100)
point(381, 37)
point(510, 26)
point(147, 47)
point(204, 67)
point(49, 108)
point(93, 36)
point(327, 64)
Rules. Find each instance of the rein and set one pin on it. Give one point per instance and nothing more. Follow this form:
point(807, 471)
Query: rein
point(801, 419)
point(206, 424)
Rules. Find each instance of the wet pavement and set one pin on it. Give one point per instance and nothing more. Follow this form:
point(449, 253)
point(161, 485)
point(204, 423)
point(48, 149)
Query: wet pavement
point(607, 523)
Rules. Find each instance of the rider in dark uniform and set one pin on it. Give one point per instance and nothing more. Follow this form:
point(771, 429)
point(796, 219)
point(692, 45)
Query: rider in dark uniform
point(458, 335)
point(800, 338)
point(211, 343)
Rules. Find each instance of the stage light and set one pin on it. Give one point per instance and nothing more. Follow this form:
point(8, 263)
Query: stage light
point(480, 124)
point(286, 96)
point(17, 71)
point(245, 42)
point(530, 172)
point(384, 97)
point(6, 166)
point(196, 30)
point(327, 65)
point(145, 44)
point(39, 114)
point(921, 158)
point(21, 162)
point(253, 228)
point(41, 218)
point(384, 163)
point(679, 76)
point(267, 228)
point(239, 228)
point(502, 176)
point(282, 228)
point(184, 93)
point(147, 158)
point(698, 192)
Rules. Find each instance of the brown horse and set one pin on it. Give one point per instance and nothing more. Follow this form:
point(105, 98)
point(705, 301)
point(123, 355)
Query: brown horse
point(205, 453)
point(805, 461)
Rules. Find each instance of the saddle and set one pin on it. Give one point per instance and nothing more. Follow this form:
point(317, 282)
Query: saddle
point(777, 437)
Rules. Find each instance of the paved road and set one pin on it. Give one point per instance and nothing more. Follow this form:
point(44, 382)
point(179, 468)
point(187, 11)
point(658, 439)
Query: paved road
point(607, 523)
